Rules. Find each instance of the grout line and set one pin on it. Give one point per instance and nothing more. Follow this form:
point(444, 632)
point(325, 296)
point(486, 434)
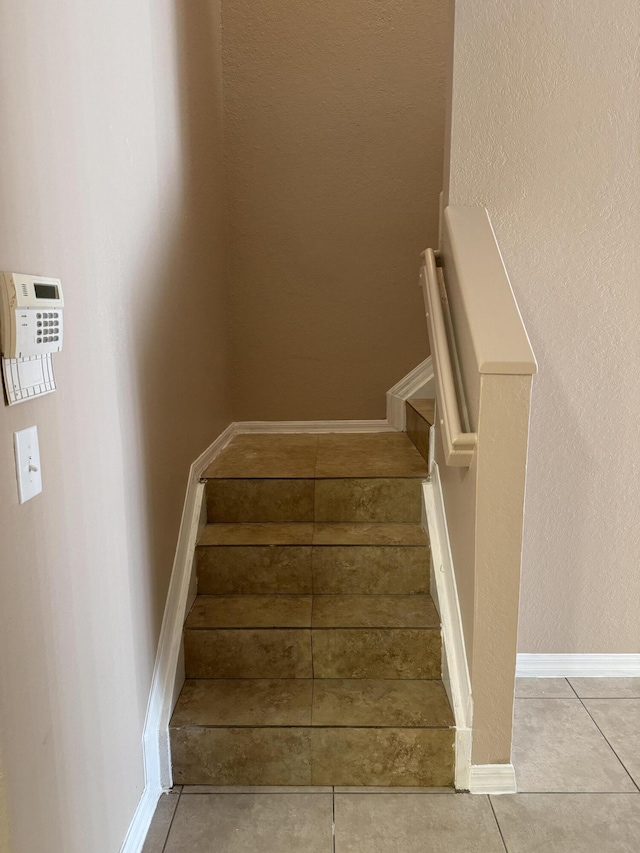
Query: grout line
point(606, 739)
point(495, 816)
point(164, 846)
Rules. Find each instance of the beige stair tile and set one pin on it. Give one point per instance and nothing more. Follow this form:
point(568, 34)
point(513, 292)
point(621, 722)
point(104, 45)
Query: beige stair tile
point(254, 569)
point(376, 653)
point(236, 534)
point(244, 702)
point(368, 455)
point(266, 455)
point(260, 500)
point(248, 653)
point(378, 569)
point(368, 500)
point(381, 756)
point(374, 611)
point(337, 533)
point(362, 702)
point(241, 756)
point(250, 611)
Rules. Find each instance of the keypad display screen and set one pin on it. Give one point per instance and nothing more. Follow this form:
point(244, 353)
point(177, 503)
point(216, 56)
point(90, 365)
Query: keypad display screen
point(46, 291)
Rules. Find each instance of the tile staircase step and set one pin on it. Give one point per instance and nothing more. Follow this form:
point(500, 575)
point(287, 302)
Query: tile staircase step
point(336, 636)
point(420, 415)
point(388, 454)
point(300, 732)
point(364, 499)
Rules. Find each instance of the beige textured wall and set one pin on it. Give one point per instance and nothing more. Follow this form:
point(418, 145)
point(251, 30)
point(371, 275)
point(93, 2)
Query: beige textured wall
point(111, 179)
point(545, 134)
point(334, 122)
point(5, 842)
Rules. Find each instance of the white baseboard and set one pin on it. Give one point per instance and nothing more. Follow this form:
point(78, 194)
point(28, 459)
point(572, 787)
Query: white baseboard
point(314, 426)
point(445, 595)
point(492, 779)
point(578, 666)
point(409, 386)
point(141, 822)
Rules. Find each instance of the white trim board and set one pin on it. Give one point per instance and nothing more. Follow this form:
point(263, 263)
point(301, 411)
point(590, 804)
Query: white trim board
point(409, 386)
point(445, 595)
point(577, 666)
point(492, 779)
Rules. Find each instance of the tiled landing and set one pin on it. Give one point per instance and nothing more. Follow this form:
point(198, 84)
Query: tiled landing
point(569, 812)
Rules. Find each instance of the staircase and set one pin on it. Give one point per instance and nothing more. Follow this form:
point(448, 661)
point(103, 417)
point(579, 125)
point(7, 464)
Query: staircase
point(313, 650)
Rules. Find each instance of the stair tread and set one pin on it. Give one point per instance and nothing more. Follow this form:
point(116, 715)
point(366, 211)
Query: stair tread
point(307, 533)
point(339, 703)
point(318, 611)
point(425, 408)
point(325, 456)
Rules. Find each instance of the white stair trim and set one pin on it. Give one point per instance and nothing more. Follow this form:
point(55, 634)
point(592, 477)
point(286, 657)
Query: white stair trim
point(409, 386)
point(578, 666)
point(492, 779)
point(445, 595)
point(137, 833)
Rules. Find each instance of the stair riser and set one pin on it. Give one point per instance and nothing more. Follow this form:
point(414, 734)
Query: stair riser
point(312, 756)
point(418, 431)
point(340, 500)
point(319, 653)
point(300, 570)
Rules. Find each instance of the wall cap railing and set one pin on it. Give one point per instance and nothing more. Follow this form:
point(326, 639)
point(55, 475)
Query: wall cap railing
point(498, 337)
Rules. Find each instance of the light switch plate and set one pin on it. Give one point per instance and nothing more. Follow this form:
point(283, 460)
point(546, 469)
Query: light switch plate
point(25, 443)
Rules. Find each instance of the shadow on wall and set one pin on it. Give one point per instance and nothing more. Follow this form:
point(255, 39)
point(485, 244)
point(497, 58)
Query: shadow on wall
point(181, 329)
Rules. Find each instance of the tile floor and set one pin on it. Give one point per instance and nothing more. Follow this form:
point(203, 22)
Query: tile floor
point(577, 758)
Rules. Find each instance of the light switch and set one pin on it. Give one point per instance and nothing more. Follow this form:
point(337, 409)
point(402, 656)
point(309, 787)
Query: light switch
point(27, 451)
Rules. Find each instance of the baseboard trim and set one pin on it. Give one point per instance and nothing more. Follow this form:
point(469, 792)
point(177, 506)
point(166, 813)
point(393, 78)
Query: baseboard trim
point(141, 822)
point(314, 426)
point(445, 595)
point(492, 779)
point(578, 666)
point(407, 387)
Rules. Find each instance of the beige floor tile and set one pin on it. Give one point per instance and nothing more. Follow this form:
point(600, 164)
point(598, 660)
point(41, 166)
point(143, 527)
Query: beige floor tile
point(415, 823)
point(248, 653)
point(369, 534)
point(373, 570)
point(241, 756)
point(543, 688)
point(250, 611)
point(159, 829)
point(606, 688)
point(360, 702)
point(619, 722)
point(368, 500)
point(254, 569)
point(255, 455)
point(376, 653)
point(244, 702)
point(374, 611)
point(254, 500)
point(569, 823)
point(557, 747)
point(369, 455)
point(252, 823)
point(386, 756)
point(293, 533)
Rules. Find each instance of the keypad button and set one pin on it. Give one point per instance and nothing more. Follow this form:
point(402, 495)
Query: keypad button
point(39, 316)
point(39, 341)
point(39, 323)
